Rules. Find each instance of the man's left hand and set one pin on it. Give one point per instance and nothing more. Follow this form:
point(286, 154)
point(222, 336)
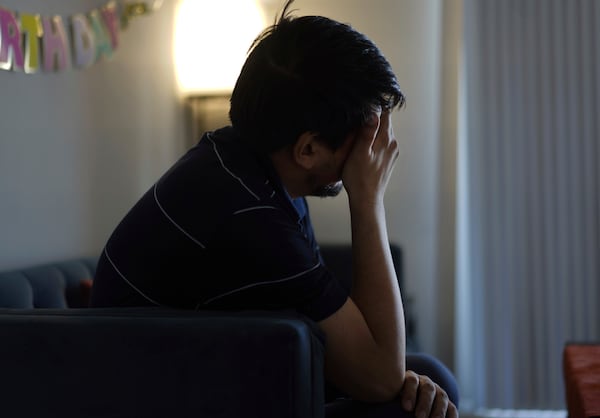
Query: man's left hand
point(427, 399)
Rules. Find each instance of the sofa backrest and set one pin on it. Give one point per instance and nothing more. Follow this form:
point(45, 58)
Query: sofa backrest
point(64, 284)
point(338, 259)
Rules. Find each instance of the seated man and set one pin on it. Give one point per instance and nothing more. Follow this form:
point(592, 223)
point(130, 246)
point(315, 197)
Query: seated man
point(228, 227)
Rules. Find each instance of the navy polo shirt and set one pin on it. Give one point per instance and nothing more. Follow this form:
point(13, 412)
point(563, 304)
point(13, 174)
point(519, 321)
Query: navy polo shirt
point(217, 231)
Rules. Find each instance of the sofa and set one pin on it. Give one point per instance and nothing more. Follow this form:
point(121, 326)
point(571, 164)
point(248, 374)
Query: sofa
point(59, 358)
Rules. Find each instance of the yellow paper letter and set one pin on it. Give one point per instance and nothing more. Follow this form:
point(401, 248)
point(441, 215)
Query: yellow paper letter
point(31, 28)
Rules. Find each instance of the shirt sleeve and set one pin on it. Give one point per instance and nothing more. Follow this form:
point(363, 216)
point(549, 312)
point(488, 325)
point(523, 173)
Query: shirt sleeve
point(266, 259)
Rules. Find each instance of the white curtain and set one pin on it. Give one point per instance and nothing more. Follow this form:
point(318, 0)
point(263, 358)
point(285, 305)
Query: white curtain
point(528, 265)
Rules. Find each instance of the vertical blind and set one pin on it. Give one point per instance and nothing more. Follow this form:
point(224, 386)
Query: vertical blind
point(529, 197)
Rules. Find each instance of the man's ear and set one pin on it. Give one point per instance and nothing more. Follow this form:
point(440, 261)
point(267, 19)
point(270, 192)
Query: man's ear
point(307, 151)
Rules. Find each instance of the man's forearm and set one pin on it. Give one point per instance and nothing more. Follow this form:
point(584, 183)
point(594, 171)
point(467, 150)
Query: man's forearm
point(375, 285)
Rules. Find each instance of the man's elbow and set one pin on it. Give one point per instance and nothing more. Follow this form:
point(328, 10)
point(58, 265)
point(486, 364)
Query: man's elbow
point(384, 387)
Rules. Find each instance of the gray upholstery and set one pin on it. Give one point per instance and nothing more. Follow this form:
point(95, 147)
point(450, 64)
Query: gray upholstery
point(15, 291)
point(51, 285)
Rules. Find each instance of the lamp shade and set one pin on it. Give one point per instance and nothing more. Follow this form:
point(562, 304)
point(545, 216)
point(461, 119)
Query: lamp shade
point(211, 41)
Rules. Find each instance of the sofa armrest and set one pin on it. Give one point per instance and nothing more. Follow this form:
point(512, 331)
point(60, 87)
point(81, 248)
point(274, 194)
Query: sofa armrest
point(153, 362)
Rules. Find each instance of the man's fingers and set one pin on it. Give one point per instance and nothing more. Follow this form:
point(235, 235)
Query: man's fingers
point(427, 394)
point(427, 399)
point(451, 412)
point(367, 133)
point(440, 404)
point(409, 390)
point(384, 134)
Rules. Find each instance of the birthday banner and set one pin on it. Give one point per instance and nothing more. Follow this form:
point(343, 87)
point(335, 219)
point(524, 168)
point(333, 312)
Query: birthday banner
point(31, 43)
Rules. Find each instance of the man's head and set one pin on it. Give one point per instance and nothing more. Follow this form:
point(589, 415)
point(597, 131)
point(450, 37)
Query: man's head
point(310, 74)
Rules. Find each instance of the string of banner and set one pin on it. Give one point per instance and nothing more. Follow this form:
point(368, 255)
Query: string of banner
point(31, 43)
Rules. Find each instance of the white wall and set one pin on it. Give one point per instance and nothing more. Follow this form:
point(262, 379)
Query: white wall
point(77, 148)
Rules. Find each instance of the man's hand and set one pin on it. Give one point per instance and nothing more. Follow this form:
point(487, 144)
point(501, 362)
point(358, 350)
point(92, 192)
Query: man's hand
point(427, 399)
point(371, 161)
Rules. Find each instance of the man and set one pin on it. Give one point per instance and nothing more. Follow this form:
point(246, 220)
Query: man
point(228, 227)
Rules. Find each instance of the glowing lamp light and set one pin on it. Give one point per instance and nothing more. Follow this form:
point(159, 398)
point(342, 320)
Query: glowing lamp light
point(211, 40)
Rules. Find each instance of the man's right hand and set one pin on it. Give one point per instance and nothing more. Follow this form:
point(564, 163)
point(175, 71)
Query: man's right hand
point(370, 163)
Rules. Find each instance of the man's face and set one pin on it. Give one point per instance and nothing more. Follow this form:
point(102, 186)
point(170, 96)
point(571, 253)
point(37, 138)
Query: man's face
point(327, 179)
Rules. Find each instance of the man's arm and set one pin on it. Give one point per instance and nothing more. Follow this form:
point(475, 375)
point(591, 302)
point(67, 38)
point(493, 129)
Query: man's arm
point(365, 350)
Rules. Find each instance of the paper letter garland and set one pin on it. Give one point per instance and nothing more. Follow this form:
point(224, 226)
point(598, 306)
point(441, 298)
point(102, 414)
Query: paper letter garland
point(32, 43)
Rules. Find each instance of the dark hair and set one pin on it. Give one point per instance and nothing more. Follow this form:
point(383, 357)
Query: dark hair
point(310, 74)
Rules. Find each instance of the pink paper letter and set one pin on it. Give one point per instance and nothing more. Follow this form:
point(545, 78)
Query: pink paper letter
point(11, 53)
point(111, 22)
point(56, 51)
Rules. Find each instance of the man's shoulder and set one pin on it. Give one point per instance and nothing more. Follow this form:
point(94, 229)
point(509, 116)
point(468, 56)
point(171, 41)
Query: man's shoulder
point(215, 179)
point(216, 163)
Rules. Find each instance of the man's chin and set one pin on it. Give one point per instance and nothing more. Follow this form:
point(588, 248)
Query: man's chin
point(330, 190)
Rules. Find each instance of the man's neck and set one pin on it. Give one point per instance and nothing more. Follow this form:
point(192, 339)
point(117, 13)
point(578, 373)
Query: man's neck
point(291, 177)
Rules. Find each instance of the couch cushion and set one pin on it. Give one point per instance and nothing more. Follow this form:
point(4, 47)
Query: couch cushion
point(75, 272)
point(85, 291)
point(48, 286)
point(15, 291)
